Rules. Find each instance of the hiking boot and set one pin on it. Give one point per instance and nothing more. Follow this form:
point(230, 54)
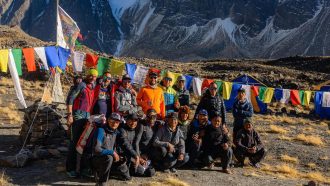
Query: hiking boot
point(239, 164)
point(166, 170)
point(227, 171)
point(72, 174)
point(173, 170)
point(211, 166)
point(255, 165)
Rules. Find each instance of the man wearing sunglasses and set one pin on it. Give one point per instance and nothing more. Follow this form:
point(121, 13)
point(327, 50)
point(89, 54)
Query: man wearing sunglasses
point(125, 98)
point(171, 99)
point(102, 101)
point(152, 97)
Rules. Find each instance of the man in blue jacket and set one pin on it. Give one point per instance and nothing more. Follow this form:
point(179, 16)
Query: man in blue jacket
point(242, 110)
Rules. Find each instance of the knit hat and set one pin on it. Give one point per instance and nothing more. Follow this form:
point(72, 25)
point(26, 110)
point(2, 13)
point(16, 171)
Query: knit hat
point(184, 109)
point(132, 117)
point(247, 120)
point(151, 112)
point(92, 72)
point(172, 115)
point(241, 90)
point(181, 78)
point(115, 116)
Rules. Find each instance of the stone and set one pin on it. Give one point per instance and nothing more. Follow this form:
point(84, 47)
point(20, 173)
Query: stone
point(63, 149)
point(19, 160)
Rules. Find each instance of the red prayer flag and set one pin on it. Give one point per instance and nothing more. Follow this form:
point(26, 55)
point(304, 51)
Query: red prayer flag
point(255, 90)
point(295, 98)
point(206, 83)
point(29, 59)
point(91, 60)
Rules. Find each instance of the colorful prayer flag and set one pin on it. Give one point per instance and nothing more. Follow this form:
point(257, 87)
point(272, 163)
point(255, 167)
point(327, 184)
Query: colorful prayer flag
point(226, 90)
point(102, 65)
point(17, 54)
point(78, 61)
point(130, 69)
point(91, 60)
point(197, 86)
point(52, 56)
point(295, 98)
point(117, 67)
point(42, 55)
point(29, 59)
point(4, 55)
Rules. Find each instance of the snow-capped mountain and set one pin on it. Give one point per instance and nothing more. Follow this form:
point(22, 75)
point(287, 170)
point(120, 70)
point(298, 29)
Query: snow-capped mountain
point(185, 29)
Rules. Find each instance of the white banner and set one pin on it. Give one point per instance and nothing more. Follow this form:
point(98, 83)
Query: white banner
point(78, 61)
point(42, 55)
point(140, 75)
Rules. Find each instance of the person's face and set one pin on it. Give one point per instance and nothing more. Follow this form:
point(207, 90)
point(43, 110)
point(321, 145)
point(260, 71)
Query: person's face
point(91, 78)
point(132, 123)
point(152, 80)
point(241, 96)
point(172, 122)
point(202, 118)
point(213, 89)
point(126, 83)
point(113, 124)
point(181, 84)
point(216, 122)
point(107, 78)
point(78, 80)
point(167, 82)
point(248, 126)
point(151, 120)
point(184, 116)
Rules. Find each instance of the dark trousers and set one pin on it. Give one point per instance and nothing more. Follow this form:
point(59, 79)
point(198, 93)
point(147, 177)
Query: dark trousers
point(140, 170)
point(218, 152)
point(102, 165)
point(167, 160)
point(241, 154)
point(194, 151)
point(236, 129)
point(77, 128)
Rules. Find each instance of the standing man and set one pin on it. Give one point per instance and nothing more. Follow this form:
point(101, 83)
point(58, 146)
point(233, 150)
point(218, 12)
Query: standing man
point(242, 109)
point(125, 98)
point(79, 106)
point(182, 93)
point(213, 103)
point(152, 97)
point(170, 95)
point(103, 95)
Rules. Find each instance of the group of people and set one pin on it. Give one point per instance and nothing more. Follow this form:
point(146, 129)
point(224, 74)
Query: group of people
point(152, 129)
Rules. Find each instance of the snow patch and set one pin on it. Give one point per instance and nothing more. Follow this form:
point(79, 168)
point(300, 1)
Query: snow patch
point(145, 20)
point(118, 7)
point(226, 25)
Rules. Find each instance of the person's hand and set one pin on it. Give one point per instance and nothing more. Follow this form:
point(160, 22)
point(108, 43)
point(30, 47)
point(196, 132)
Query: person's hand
point(225, 129)
point(116, 157)
point(143, 162)
point(69, 120)
point(180, 157)
point(225, 146)
point(254, 149)
point(170, 148)
point(195, 137)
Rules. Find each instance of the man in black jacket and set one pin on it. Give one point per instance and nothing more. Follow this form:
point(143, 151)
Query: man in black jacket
point(169, 145)
point(249, 145)
point(242, 109)
point(216, 143)
point(181, 91)
point(106, 157)
point(212, 102)
point(129, 140)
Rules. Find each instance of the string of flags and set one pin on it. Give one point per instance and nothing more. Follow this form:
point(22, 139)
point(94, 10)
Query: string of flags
point(259, 96)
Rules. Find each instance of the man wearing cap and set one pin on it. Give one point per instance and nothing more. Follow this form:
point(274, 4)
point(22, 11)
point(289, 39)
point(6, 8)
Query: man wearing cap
point(195, 134)
point(170, 95)
point(129, 141)
point(106, 156)
point(125, 98)
point(215, 144)
point(152, 97)
point(249, 145)
point(79, 106)
point(169, 145)
point(242, 109)
point(213, 103)
point(182, 93)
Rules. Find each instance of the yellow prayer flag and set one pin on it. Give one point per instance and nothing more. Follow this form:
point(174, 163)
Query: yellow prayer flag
point(268, 95)
point(226, 90)
point(4, 57)
point(117, 67)
point(307, 97)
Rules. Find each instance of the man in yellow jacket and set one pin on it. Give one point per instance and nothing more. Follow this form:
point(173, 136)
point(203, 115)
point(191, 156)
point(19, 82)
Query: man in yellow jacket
point(151, 96)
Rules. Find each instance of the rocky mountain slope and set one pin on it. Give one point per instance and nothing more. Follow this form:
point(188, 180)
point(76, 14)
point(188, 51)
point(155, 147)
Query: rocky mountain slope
point(185, 29)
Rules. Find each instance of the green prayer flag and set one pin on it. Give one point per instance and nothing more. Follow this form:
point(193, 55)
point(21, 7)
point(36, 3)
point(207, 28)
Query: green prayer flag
point(17, 53)
point(301, 96)
point(219, 85)
point(262, 91)
point(102, 65)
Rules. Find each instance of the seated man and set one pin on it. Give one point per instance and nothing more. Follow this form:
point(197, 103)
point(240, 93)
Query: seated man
point(249, 145)
point(129, 141)
point(125, 98)
point(215, 143)
point(106, 157)
point(195, 134)
point(169, 145)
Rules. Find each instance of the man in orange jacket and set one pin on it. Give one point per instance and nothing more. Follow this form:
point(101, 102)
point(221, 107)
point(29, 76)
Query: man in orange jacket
point(152, 97)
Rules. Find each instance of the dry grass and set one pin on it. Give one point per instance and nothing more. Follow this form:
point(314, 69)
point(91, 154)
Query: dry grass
point(287, 170)
point(311, 165)
point(6, 82)
point(12, 115)
point(328, 131)
point(286, 138)
point(3, 91)
point(289, 159)
point(4, 179)
point(324, 158)
point(310, 140)
point(276, 129)
point(323, 123)
point(310, 129)
point(317, 176)
point(170, 181)
point(251, 174)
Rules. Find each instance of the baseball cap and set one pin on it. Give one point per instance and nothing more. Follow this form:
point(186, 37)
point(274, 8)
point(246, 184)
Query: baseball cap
point(172, 115)
point(132, 117)
point(151, 112)
point(203, 112)
point(248, 120)
point(126, 77)
point(181, 78)
point(153, 74)
point(115, 116)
